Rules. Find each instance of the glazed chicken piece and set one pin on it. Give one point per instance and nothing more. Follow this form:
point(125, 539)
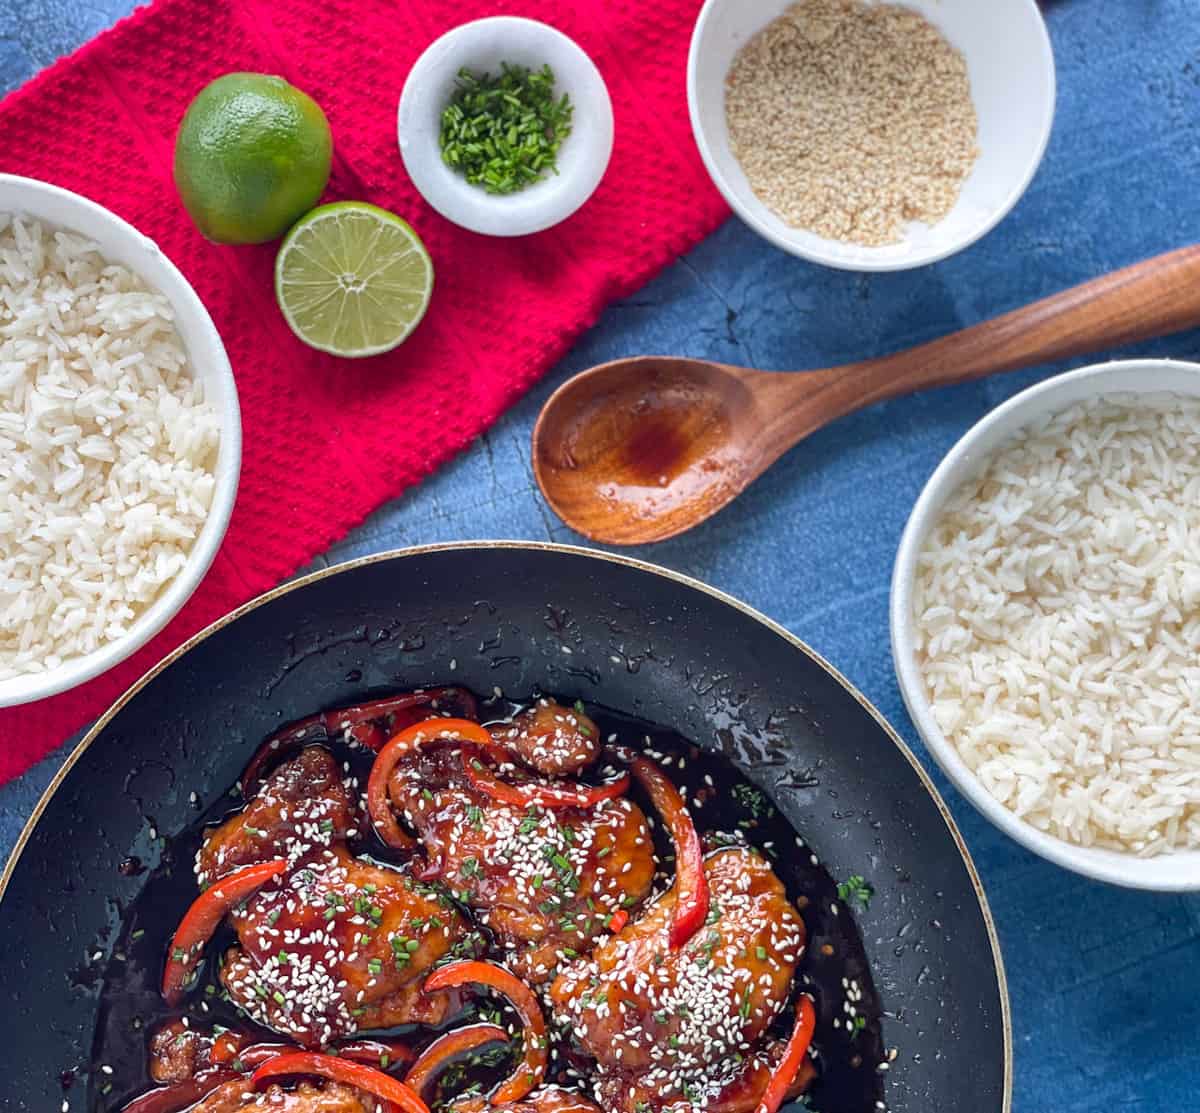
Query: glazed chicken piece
point(741, 1093)
point(178, 1052)
point(337, 944)
point(545, 881)
point(552, 739)
point(548, 1099)
point(303, 805)
point(334, 1097)
point(674, 1030)
point(328, 1097)
point(341, 945)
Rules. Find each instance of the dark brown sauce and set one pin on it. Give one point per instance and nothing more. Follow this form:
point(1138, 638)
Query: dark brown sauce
point(656, 449)
point(672, 453)
point(651, 445)
point(131, 1007)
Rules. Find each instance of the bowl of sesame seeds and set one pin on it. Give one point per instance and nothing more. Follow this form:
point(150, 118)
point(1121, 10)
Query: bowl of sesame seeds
point(871, 136)
point(505, 126)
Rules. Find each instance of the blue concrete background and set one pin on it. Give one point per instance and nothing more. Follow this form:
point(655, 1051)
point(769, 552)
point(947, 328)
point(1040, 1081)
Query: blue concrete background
point(1105, 983)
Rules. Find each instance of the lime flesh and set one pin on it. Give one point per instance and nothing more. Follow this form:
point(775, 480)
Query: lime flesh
point(353, 279)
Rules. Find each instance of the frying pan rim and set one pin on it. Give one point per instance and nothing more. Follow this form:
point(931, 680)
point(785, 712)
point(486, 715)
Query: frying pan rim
point(567, 550)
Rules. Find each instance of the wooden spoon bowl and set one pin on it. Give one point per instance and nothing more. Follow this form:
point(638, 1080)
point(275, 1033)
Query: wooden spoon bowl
point(647, 441)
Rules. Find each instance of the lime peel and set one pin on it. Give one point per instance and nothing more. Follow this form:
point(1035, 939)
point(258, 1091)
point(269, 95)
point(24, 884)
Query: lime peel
point(252, 154)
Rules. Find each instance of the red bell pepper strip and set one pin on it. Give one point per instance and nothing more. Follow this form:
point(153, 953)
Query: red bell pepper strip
point(618, 920)
point(532, 1069)
point(226, 1046)
point(181, 1095)
point(408, 741)
point(203, 918)
point(793, 1056)
point(387, 714)
point(367, 1079)
point(543, 795)
point(368, 734)
point(691, 884)
point(247, 1058)
point(434, 1059)
point(369, 724)
point(383, 1054)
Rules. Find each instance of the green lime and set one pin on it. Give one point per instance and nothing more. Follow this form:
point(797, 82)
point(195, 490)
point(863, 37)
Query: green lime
point(353, 279)
point(252, 155)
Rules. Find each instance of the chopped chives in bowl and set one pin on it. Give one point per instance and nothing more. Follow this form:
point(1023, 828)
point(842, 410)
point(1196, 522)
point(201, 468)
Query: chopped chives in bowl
point(503, 132)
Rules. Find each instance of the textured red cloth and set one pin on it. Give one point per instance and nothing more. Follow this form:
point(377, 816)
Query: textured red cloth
point(327, 441)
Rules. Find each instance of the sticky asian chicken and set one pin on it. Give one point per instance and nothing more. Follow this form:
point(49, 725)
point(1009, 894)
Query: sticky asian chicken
point(548, 1099)
point(335, 944)
point(215, 1068)
point(178, 1052)
point(512, 872)
point(685, 1029)
point(546, 881)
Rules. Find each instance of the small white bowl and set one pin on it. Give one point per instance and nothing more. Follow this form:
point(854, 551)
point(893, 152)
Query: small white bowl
point(1175, 872)
point(1011, 68)
point(121, 243)
point(482, 46)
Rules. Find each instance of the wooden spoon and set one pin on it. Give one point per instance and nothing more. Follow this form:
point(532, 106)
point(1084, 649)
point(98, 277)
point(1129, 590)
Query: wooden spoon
point(644, 448)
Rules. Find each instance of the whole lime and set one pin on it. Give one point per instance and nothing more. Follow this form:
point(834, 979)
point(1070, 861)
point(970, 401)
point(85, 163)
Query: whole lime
point(251, 157)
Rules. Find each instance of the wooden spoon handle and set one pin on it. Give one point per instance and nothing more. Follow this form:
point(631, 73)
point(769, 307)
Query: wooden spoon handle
point(1155, 297)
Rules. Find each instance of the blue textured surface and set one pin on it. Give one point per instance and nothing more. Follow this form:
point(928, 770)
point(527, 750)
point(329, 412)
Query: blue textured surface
point(1105, 983)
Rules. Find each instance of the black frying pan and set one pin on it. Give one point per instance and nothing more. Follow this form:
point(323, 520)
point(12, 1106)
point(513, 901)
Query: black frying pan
point(613, 631)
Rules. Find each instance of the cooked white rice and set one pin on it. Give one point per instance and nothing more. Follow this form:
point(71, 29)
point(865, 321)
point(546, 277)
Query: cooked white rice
point(107, 448)
point(1057, 609)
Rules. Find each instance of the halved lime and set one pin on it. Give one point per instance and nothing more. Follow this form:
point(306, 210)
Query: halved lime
point(353, 279)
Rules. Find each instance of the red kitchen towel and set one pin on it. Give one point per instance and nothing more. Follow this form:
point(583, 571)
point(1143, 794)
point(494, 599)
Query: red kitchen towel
point(327, 441)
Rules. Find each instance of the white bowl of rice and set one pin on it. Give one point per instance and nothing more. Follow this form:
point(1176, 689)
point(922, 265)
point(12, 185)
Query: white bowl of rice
point(1045, 619)
point(120, 440)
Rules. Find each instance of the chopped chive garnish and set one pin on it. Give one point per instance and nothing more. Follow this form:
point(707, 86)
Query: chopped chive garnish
point(503, 132)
